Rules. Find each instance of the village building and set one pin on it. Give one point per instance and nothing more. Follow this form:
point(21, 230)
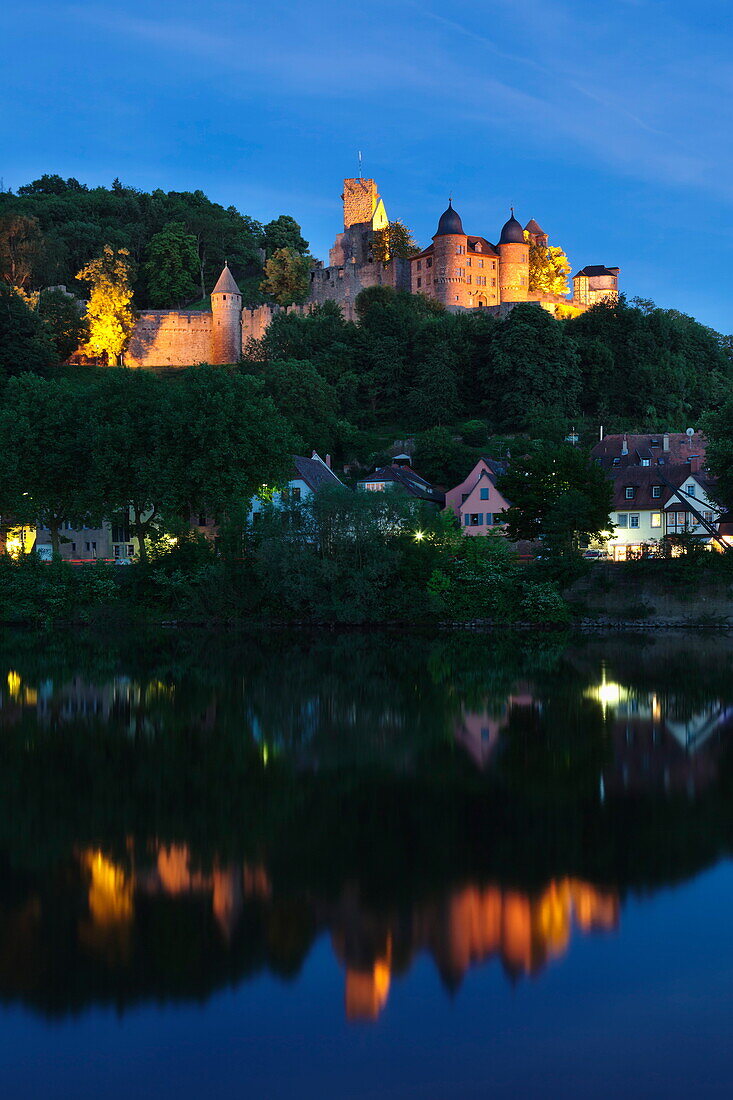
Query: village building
point(307, 476)
point(476, 502)
point(660, 488)
point(400, 477)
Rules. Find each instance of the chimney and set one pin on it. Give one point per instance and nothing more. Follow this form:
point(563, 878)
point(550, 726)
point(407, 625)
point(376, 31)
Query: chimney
point(625, 445)
point(328, 461)
point(665, 441)
point(694, 464)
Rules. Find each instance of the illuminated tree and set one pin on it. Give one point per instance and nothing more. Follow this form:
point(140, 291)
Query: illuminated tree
point(548, 268)
point(395, 241)
point(110, 315)
point(172, 266)
point(286, 277)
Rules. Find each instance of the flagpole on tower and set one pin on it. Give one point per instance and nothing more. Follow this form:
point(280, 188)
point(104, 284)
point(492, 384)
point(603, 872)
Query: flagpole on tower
point(360, 164)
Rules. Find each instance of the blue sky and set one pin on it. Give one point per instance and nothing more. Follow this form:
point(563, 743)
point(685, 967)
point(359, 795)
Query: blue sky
point(609, 123)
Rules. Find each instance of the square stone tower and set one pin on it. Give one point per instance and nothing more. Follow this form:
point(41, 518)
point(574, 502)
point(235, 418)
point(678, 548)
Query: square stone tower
point(364, 213)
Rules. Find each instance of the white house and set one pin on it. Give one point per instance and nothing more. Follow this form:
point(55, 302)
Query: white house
point(307, 476)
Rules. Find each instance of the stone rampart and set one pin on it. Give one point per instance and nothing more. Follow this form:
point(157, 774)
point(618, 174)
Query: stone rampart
point(170, 338)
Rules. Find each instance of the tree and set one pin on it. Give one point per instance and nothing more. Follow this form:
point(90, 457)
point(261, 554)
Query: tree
point(394, 241)
point(21, 245)
point(549, 268)
point(306, 401)
point(286, 277)
point(172, 266)
point(25, 343)
point(558, 494)
point(434, 399)
point(45, 431)
point(165, 449)
point(63, 320)
point(717, 426)
point(284, 232)
point(441, 458)
point(110, 315)
point(532, 366)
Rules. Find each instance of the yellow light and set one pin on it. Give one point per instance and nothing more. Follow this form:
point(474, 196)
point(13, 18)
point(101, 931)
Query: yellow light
point(14, 683)
point(419, 536)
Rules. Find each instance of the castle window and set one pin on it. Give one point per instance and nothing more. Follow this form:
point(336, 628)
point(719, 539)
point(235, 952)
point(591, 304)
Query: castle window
point(224, 297)
point(468, 278)
point(460, 272)
point(478, 246)
point(523, 280)
point(419, 265)
point(493, 282)
point(429, 261)
point(481, 263)
point(460, 249)
point(493, 265)
point(468, 261)
point(456, 297)
point(419, 283)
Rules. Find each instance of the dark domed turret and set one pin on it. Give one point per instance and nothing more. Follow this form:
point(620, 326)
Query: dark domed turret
point(450, 223)
point(512, 232)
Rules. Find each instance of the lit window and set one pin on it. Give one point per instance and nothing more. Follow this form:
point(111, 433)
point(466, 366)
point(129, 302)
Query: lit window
point(656, 519)
point(646, 462)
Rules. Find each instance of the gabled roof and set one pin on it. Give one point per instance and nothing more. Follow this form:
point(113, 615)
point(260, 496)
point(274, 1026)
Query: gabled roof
point(487, 248)
point(681, 448)
point(225, 284)
point(670, 479)
point(314, 472)
point(596, 269)
point(409, 480)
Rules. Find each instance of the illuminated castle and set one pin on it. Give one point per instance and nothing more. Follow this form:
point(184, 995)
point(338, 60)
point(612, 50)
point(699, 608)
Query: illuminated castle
point(458, 270)
point(462, 271)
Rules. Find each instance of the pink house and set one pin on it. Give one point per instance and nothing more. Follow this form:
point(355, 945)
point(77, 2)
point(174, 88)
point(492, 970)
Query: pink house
point(476, 502)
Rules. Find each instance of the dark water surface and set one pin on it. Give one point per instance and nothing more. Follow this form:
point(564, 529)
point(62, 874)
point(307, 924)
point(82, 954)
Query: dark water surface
point(346, 865)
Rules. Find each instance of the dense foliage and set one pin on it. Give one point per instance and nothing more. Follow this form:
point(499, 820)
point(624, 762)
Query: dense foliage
point(53, 227)
point(409, 363)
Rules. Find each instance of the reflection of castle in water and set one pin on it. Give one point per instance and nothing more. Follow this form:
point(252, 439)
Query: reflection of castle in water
point(468, 925)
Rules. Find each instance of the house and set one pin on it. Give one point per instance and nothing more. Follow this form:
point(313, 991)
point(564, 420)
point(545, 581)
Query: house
point(307, 476)
point(476, 503)
point(616, 452)
point(402, 478)
point(111, 541)
point(650, 503)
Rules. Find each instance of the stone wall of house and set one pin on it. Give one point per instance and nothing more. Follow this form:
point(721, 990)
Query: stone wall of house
point(170, 338)
point(360, 201)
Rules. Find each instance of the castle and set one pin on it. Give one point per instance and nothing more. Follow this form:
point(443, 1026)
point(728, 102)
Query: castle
point(461, 271)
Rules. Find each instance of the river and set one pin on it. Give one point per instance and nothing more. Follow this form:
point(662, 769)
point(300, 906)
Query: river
point(366, 864)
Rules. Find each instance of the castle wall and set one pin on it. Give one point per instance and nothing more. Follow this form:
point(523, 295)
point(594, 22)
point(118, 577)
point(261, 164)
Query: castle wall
point(170, 338)
point(360, 201)
point(342, 284)
point(255, 321)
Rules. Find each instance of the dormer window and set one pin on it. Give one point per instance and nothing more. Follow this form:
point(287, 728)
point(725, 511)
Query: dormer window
point(656, 491)
point(629, 492)
point(617, 462)
point(478, 246)
point(646, 462)
point(691, 489)
point(654, 443)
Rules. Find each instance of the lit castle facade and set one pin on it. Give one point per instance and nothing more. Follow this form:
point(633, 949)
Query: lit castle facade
point(459, 270)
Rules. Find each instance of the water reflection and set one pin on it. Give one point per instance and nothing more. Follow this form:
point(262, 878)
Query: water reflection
point(183, 820)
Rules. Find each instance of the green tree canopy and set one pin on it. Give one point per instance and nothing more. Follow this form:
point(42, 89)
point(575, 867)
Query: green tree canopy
point(64, 321)
point(558, 494)
point(172, 266)
point(21, 245)
point(394, 242)
point(305, 399)
point(45, 432)
point(286, 277)
point(25, 342)
point(284, 232)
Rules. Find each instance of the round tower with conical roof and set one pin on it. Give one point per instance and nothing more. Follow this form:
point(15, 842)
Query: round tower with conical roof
point(449, 259)
point(226, 320)
point(514, 262)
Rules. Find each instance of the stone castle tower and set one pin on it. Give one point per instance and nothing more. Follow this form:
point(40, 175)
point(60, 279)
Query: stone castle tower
point(514, 265)
point(226, 319)
point(364, 214)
